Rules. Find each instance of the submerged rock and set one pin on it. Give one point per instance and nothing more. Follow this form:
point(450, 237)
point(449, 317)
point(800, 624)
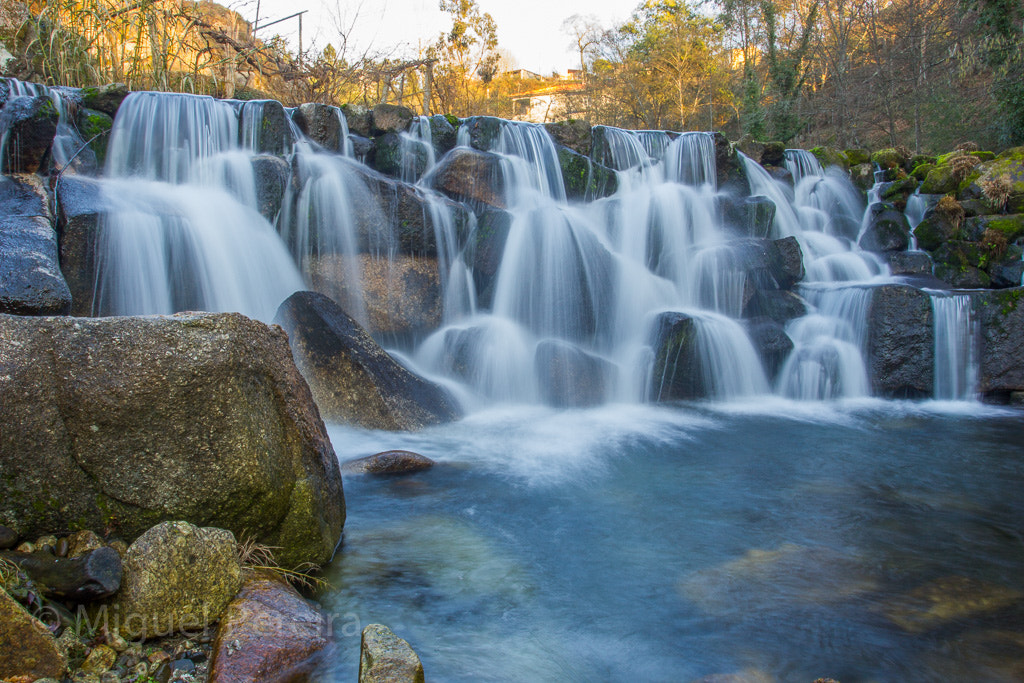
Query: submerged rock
point(121, 423)
point(176, 577)
point(901, 342)
point(388, 462)
point(947, 600)
point(29, 650)
point(353, 380)
point(386, 658)
point(268, 633)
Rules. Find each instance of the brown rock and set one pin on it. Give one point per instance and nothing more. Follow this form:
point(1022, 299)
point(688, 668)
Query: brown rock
point(953, 598)
point(386, 658)
point(268, 633)
point(36, 654)
point(99, 660)
point(121, 423)
point(471, 176)
point(82, 542)
point(388, 462)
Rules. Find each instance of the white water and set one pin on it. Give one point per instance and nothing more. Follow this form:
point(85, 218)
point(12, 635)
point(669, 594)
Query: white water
point(956, 354)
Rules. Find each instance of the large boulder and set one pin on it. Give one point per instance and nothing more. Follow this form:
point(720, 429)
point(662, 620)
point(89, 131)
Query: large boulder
point(886, 230)
point(386, 658)
point(484, 131)
point(390, 118)
point(29, 651)
point(583, 179)
point(786, 262)
point(265, 127)
point(31, 282)
point(272, 175)
point(268, 633)
point(176, 577)
point(352, 379)
point(105, 98)
point(121, 423)
point(1000, 182)
point(676, 373)
point(772, 343)
point(732, 177)
point(748, 216)
point(31, 123)
point(572, 133)
point(80, 207)
point(940, 223)
point(487, 245)
point(443, 134)
point(901, 342)
point(322, 124)
point(570, 377)
point(1001, 318)
point(471, 176)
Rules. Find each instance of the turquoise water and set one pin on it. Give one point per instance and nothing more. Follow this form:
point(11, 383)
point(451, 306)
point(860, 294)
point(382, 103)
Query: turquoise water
point(868, 541)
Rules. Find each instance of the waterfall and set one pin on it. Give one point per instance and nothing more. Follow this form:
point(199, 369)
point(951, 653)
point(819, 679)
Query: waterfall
point(690, 160)
point(417, 150)
point(802, 164)
point(956, 354)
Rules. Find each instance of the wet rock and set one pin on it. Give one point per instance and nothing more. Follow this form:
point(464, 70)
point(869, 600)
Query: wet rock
point(272, 174)
point(948, 600)
point(1007, 275)
point(901, 342)
point(749, 216)
point(402, 294)
point(80, 206)
point(887, 229)
point(81, 542)
point(31, 282)
point(910, 263)
point(388, 462)
point(959, 263)
point(177, 576)
point(486, 249)
point(36, 654)
point(471, 176)
point(676, 374)
point(361, 147)
point(572, 133)
point(570, 377)
point(352, 379)
point(786, 262)
point(120, 423)
point(386, 658)
point(583, 179)
point(772, 343)
point(265, 125)
point(358, 119)
point(32, 124)
point(321, 124)
point(94, 128)
point(105, 98)
point(829, 156)
point(862, 176)
point(443, 135)
point(390, 118)
point(1001, 322)
point(268, 633)
point(89, 576)
point(732, 178)
point(100, 660)
point(484, 131)
point(780, 306)
point(939, 224)
point(745, 676)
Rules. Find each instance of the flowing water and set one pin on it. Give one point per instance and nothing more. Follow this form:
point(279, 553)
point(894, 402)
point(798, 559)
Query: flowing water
point(788, 527)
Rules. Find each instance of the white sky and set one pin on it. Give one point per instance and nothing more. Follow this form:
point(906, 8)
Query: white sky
point(530, 29)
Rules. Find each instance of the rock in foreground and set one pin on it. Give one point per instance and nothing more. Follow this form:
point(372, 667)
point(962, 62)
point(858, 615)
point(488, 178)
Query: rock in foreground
point(388, 462)
point(386, 658)
point(121, 423)
point(353, 380)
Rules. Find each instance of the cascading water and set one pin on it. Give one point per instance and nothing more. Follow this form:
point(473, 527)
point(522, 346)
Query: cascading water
point(956, 355)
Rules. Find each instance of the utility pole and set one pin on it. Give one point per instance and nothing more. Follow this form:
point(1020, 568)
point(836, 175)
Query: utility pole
point(257, 27)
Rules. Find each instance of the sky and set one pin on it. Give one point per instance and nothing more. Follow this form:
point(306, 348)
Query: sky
point(530, 29)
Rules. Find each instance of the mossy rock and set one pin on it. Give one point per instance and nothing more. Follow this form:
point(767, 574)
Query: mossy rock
point(572, 133)
point(583, 179)
point(1011, 226)
point(919, 159)
point(94, 126)
point(105, 98)
point(889, 158)
point(921, 171)
point(855, 157)
point(1007, 171)
point(1014, 153)
point(899, 191)
point(828, 156)
point(940, 180)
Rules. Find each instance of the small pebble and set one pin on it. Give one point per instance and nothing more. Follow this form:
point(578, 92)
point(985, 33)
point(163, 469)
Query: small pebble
point(62, 547)
point(8, 539)
point(49, 540)
point(158, 657)
point(26, 547)
point(186, 665)
point(116, 641)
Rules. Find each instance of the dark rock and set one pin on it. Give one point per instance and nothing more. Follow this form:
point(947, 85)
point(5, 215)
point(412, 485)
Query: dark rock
point(570, 377)
point(828, 156)
point(960, 263)
point(386, 658)
point(272, 174)
point(30, 651)
point(676, 373)
point(862, 176)
point(1007, 274)
point(1010, 227)
point(901, 342)
point(177, 577)
point(269, 633)
point(780, 306)
point(80, 205)
point(572, 133)
point(120, 423)
point(471, 176)
point(388, 462)
point(88, 577)
point(962, 277)
point(780, 173)
point(1001, 321)
point(898, 192)
point(487, 247)
point(358, 118)
point(484, 132)
point(8, 538)
point(772, 343)
point(105, 98)
point(267, 123)
point(910, 263)
point(936, 227)
point(63, 547)
point(771, 153)
point(31, 123)
point(887, 229)
point(390, 118)
point(389, 156)
point(749, 216)
point(732, 177)
point(183, 665)
point(361, 147)
point(321, 124)
point(352, 379)
point(31, 282)
point(94, 127)
point(585, 180)
point(443, 135)
point(786, 262)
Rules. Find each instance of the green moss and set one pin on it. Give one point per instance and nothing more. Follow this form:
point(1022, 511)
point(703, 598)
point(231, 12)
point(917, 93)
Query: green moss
point(888, 158)
point(1008, 299)
point(1013, 154)
point(454, 120)
point(830, 157)
point(921, 171)
point(1010, 226)
point(984, 156)
point(857, 157)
